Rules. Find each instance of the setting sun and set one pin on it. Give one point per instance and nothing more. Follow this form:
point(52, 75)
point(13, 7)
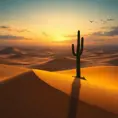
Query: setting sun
point(59, 38)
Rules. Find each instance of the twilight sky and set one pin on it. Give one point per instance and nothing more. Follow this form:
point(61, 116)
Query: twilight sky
point(33, 22)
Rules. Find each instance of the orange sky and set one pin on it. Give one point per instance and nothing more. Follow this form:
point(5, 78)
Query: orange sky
point(42, 22)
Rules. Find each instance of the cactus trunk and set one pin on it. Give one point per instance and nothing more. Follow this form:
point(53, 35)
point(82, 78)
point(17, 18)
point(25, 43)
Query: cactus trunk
point(78, 56)
point(78, 72)
point(78, 53)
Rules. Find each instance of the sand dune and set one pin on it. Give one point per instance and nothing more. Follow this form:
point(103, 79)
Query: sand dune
point(56, 64)
point(113, 61)
point(61, 63)
point(7, 71)
point(36, 93)
point(12, 53)
point(11, 50)
point(31, 57)
point(17, 56)
point(42, 94)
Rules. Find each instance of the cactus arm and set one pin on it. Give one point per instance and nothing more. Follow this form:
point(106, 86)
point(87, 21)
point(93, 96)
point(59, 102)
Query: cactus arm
point(73, 50)
point(82, 45)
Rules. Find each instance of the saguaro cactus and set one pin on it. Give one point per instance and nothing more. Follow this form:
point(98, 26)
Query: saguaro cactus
point(78, 53)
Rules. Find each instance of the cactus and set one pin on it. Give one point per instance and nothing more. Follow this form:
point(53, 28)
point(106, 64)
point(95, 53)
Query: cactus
point(78, 54)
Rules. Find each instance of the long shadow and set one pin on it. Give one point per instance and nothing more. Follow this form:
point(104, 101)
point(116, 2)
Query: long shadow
point(74, 98)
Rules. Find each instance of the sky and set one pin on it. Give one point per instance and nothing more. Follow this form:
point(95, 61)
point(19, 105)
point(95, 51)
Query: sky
point(33, 22)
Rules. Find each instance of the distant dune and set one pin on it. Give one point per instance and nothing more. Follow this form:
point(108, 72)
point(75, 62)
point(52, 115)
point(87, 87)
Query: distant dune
point(113, 61)
point(59, 59)
point(11, 50)
point(56, 64)
point(17, 56)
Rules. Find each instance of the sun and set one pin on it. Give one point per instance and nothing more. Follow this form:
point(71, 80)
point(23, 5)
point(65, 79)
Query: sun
point(59, 38)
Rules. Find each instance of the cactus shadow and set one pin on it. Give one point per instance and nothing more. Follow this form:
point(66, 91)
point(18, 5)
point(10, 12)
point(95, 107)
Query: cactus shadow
point(74, 99)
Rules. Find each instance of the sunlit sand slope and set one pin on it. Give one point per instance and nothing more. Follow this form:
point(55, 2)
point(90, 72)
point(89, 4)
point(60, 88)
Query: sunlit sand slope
point(100, 87)
point(41, 94)
point(105, 76)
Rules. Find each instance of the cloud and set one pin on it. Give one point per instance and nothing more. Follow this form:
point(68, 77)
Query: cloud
point(112, 32)
point(7, 28)
point(104, 21)
point(23, 30)
point(91, 21)
point(70, 36)
point(4, 27)
point(97, 33)
point(105, 27)
point(45, 34)
point(110, 19)
point(107, 20)
point(11, 37)
point(13, 29)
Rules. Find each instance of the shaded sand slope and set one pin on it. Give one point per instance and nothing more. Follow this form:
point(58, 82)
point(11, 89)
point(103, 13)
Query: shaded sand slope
point(37, 94)
point(26, 96)
point(7, 71)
